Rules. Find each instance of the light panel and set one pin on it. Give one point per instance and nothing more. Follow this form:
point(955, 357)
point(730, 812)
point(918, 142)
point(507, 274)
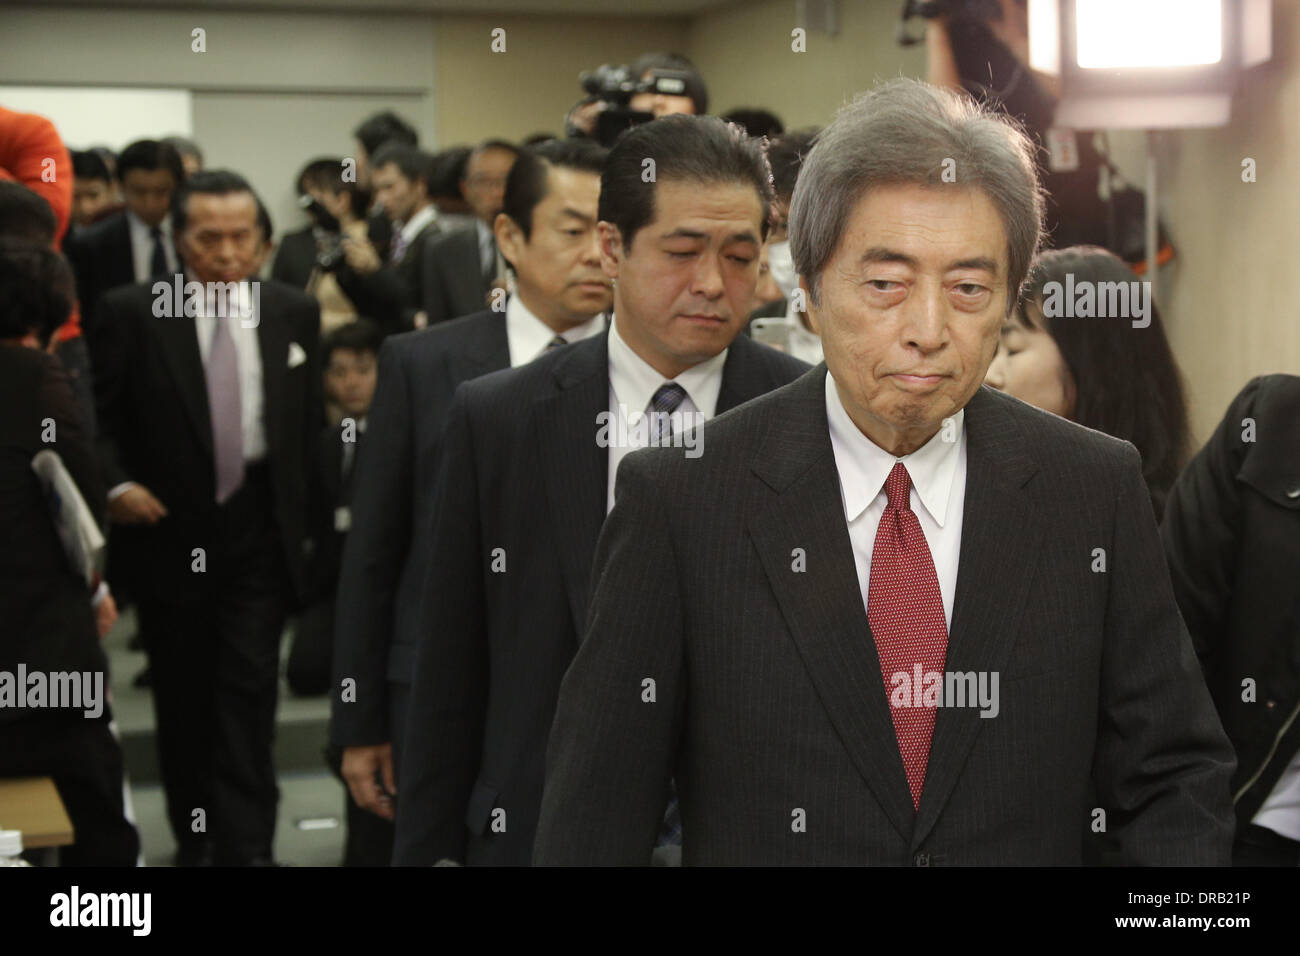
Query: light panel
point(1117, 34)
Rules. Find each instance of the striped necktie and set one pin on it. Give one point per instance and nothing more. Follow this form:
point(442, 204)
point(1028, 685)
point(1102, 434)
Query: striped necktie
point(666, 400)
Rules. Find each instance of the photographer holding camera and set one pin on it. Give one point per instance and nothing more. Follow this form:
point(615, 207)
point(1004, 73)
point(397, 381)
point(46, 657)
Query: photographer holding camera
point(310, 258)
point(619, 97)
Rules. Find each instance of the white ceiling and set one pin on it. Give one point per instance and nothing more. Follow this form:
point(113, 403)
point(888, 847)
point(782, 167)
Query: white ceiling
point(604, 8)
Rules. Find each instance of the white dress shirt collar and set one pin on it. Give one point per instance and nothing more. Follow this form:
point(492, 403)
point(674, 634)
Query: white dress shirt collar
point(485, 237)
point(635, 381)
point(527, 336)
point(411, 228)
point(139, 226)
point(863, 465)
point(141, 236)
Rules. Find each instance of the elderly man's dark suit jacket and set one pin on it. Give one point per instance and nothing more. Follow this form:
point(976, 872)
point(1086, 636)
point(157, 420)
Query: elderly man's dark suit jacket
point(522, 497)
point(385, 560)
point(769, 707)
point(156, 429)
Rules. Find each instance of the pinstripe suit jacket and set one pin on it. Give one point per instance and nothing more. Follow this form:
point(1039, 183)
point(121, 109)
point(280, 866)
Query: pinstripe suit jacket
point(521, 500)
point(769, 708)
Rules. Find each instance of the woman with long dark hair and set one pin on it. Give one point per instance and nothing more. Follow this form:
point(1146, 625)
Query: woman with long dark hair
point(1065, 350)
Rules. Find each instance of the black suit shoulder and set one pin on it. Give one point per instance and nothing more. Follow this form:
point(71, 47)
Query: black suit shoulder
point(466, 236)
point(276, 298)
point(779, 367)
point(23, 369)
point(107, 232)
point(1272, 402)
point(736, 437)
point(465, 332)
point(281, 297)
point(506, 388)
point(1059, 442)
point(295, 259)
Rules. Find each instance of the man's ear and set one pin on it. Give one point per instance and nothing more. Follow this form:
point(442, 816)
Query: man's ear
point(510, 238)
point(611, 248)
point(809, 309)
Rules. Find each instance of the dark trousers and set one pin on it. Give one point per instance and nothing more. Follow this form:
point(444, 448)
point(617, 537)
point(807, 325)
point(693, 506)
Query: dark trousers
point(85, 761)
point(369, 840)
point(215, 660)
point(1260, 846)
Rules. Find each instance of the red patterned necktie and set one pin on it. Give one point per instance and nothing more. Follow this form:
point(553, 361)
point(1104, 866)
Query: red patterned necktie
point(905, 611)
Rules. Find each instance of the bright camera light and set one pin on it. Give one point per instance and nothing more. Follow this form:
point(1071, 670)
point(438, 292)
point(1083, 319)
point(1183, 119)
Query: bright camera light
point(1045, 36)
point(1113, 34)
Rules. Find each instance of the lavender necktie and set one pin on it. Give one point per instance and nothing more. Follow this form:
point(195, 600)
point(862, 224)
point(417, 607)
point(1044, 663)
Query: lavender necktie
point(226, 409)
point(399, 248)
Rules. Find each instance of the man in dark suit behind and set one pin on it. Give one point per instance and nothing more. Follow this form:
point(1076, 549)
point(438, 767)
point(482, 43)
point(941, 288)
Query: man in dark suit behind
point(891, 617)
point(459, 269)
point(136, 244)
point(209, 416)
point(390, 291)
point(547, 232)
point(527, 460)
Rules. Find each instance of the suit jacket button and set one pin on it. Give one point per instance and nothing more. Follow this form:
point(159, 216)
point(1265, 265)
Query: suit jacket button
point(921, 859)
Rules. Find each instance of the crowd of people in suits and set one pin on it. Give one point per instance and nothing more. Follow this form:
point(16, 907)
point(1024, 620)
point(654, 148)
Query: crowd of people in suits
point(543, 645)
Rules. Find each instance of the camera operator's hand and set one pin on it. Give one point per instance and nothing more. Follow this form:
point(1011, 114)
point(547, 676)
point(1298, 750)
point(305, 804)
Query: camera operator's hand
point(941, 64)
point(583, 116)
point(361, 255)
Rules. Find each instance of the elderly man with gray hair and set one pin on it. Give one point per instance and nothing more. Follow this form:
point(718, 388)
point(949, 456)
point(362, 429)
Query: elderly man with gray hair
point(891, 616)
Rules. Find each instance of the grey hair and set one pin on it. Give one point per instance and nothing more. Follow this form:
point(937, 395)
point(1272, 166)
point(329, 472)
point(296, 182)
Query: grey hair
point(902, 132)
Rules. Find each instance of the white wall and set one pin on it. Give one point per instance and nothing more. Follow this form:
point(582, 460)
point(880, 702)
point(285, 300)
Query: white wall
point(272, 90)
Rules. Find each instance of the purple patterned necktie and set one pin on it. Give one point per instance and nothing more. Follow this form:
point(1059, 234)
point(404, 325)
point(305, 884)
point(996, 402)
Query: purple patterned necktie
point(225, 405)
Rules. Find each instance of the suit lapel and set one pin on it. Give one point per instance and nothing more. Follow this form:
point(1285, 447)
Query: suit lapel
point(487, 350)
point(179, 339)
point(123, 258)
point(273, 338)
point(742, 376)
point(575, 469)
point(465, 269)
point(1000, 540)
point(822, 605)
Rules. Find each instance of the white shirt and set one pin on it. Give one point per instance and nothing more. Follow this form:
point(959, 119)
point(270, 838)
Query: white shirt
point(249, 352)
point(411, 228)
point(527, 336)
point(1281, 811)
point(633, 383)
point(142, 246)
point(803, 344)
point(938, 473)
